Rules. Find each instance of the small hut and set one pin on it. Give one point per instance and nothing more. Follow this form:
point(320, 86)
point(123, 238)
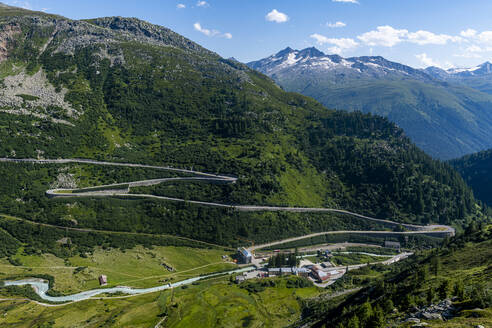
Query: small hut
point(103, 280)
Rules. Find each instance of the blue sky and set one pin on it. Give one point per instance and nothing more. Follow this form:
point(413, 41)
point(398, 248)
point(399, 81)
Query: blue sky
point(446, 33)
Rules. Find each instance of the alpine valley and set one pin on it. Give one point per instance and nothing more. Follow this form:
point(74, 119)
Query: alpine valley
point(149, 182)
point(446, 113)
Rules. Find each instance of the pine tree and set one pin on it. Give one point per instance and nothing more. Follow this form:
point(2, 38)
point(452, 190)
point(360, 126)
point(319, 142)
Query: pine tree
point(378, 319)
point(459, 290)
point(365, 313)
point(430, 295)
point(444, 289)
point(354, 322)
point(388, 305)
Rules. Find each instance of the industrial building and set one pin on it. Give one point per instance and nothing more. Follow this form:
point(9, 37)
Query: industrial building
point(320, 275)
point(244, 255)
point(303, 272)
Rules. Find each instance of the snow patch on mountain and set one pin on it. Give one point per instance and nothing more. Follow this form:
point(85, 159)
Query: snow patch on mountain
point(315, 61)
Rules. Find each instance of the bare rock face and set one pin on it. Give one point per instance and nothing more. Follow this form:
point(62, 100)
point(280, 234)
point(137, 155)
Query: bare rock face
point(38, 87)
point(64, 180)
point(7, 35)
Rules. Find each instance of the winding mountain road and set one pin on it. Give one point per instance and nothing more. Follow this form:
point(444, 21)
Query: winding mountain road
point(123, 190)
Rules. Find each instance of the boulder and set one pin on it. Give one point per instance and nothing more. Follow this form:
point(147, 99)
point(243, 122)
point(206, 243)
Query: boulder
point(431, 316)
point(422, 324)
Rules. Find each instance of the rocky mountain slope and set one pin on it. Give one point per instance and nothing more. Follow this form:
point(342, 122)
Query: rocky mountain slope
point(120, 89)
point(311, 60)
point(445, 118)
point(479, 77)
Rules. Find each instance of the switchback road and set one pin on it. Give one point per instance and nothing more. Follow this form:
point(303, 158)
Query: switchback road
point(123, 190)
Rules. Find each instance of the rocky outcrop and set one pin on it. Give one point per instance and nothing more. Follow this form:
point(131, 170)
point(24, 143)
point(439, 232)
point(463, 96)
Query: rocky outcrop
point(7, 35)
point(33, 94)
point(441, 311)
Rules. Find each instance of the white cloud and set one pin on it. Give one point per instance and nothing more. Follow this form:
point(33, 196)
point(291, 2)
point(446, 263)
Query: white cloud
point(468, 55)
point(468, 33)
point(335, 50)
point(485, 37)
point(475, 48)
point(276, 16)
point(337, 24)
point(346, 1)
point(426, 37)
point(385, 36)
point(202, 4)
point(340, 44)
point(480, 42)
point(180, 6)
point(205, 31)
point(198, 27)
point(388, 36)
point(426, 60)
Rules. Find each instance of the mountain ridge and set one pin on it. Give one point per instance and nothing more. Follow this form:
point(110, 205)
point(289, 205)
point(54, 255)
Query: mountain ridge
point(140, 100)
point(313, 57)
point(445, 117)
point(141, 95)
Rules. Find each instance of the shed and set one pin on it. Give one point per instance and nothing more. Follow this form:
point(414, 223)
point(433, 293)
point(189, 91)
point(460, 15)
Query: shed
point(103, 280)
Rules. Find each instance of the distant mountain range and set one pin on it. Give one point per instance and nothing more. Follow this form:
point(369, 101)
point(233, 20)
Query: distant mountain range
point(448, 113)
point(480, 70)
point(121, 89)
point(479, 77)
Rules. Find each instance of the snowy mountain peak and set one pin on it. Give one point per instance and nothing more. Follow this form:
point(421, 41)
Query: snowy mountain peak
point(311, 52)
point(314, 61)
point(480, 70)
point(284, 52)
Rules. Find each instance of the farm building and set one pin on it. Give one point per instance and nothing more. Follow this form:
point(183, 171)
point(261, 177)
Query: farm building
point(103, 280)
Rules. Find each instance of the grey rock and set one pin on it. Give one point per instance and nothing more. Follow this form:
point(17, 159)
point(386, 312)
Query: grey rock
point(431, 316)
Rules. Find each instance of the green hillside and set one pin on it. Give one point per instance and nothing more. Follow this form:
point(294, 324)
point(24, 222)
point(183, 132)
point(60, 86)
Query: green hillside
point(459, 271)
point(151, 96)
point(125, 91)
point(443, 119)
point(476, 169)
